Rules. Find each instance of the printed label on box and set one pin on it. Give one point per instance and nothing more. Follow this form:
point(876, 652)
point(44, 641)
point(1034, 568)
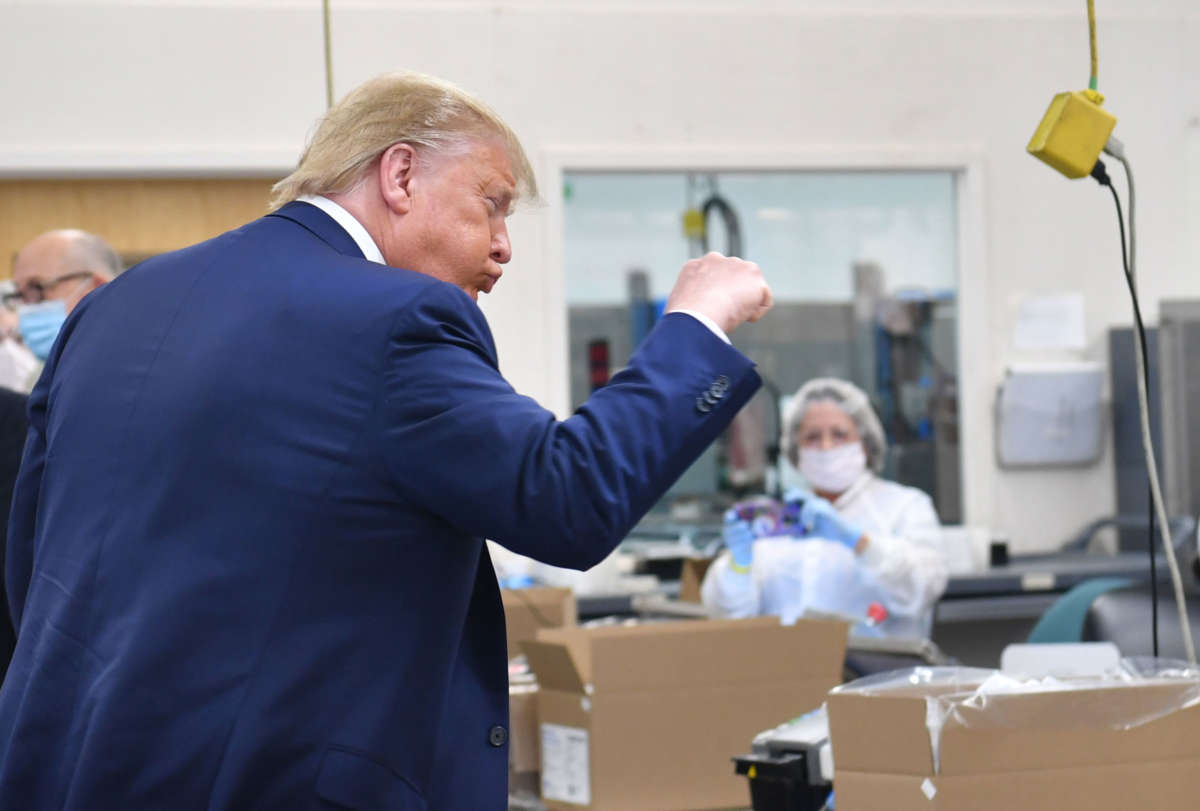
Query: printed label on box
point(565, 775)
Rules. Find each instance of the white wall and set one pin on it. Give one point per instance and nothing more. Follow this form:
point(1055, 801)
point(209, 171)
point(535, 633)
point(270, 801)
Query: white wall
point(234, 86)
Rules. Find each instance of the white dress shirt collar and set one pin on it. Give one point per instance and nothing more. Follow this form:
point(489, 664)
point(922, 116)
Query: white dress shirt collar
point(351, 226)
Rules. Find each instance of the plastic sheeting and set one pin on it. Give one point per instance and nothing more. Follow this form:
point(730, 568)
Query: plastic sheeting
point(981, 698)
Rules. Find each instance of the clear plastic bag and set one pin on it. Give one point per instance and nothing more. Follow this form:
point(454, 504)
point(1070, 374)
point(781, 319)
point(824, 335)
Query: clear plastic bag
point(980, 698)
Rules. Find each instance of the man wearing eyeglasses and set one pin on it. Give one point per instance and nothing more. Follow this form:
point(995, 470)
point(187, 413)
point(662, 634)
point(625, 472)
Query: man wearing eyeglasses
point(52, 274)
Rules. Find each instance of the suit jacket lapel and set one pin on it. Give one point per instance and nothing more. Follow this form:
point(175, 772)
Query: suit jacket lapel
point(321, 225)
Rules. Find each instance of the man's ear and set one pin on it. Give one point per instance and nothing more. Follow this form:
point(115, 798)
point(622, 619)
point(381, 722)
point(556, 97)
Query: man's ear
point(396, 167)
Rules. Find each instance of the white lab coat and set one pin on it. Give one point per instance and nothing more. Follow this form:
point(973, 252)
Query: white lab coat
point(903, 567)
point(19, 368)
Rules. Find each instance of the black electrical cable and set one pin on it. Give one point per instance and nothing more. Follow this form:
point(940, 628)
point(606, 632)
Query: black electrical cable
point(733, 226)
point(1141, 328)
point(1100, 173)
point(933, 361)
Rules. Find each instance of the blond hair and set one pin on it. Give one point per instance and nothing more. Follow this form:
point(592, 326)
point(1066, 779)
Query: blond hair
point(412, 108)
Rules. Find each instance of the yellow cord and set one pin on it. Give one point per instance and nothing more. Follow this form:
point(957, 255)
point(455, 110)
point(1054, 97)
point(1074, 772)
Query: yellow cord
point(1091, 5)
point(329, 58)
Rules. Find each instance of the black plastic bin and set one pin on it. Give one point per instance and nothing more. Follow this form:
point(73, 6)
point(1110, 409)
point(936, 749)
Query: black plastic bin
point(780, 783)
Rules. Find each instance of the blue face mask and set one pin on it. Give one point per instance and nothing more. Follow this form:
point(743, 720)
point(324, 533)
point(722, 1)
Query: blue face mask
point(40, 324)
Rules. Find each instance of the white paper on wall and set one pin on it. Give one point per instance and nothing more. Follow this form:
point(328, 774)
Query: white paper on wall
point(1050, 322)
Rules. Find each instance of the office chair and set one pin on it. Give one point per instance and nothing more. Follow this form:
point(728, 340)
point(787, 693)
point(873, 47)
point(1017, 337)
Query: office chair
point(1122, 616)
point(1064, 620)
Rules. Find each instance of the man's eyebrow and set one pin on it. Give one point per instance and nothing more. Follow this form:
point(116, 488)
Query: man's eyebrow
point(505, 199)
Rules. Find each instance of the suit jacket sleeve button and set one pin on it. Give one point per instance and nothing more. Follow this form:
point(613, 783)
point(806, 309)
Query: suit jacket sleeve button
point(497, 736)
point(702, 406)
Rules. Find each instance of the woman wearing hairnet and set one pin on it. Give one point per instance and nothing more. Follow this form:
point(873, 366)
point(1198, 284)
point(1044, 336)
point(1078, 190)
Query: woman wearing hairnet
point(854, 540)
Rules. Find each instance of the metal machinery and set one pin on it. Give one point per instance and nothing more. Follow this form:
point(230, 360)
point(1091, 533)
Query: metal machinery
point(907, 353)
point(790, 767)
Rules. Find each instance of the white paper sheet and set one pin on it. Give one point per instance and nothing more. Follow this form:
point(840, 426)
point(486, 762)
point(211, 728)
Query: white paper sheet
point(1050, 322)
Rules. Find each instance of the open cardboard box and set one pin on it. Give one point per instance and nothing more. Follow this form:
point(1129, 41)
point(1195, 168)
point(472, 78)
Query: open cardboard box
point(649, 717)
point(525, 611)
point(1092, 749)
point(691, 578)
point(524, 745)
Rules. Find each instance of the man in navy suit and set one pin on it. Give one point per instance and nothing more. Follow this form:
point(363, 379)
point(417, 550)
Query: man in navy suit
point(246, 558)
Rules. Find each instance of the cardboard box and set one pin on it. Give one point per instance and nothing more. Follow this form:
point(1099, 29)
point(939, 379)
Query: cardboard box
point(527, 610)
point(691, 578)
point(524, 751)
point(649, 717)
point(1047, 751)
point(524, 743)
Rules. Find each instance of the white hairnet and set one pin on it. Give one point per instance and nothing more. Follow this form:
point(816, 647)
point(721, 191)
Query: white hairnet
point(851, 399)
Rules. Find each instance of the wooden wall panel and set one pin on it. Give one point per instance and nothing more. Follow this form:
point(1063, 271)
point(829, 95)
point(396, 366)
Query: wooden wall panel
point(138, 217)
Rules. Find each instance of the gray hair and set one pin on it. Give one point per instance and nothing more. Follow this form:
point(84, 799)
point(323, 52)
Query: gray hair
point(80, 251)
point(96, 255)
point(852, 400)
point(427, 113)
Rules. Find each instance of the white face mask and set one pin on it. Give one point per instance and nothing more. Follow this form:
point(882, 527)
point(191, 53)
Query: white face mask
point(834, 470)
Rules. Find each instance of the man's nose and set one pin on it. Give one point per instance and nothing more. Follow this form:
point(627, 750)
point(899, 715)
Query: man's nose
point(501, 248)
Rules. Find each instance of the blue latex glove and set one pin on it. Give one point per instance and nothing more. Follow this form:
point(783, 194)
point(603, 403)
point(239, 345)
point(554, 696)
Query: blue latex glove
point(821, 519)
point(739, 539)
point(795, 494)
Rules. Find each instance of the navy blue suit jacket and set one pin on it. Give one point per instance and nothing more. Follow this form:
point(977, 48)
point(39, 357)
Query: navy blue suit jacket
point(246, 555)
